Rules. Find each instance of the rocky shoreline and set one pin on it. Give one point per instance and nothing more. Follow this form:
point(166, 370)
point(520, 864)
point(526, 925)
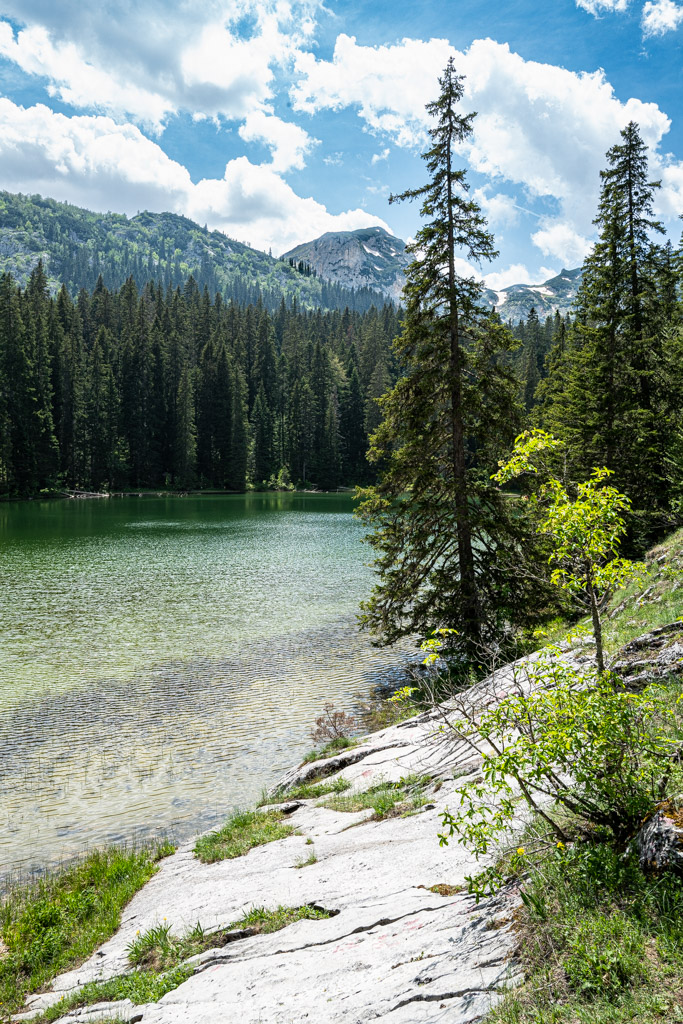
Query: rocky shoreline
point(393, 948)
point(403, 940)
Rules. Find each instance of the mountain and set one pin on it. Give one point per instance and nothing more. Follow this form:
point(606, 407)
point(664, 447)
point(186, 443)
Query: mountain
point(377, 259)
point(370, 257)
point(557, 292)
point(357, 269)
point(76, 246)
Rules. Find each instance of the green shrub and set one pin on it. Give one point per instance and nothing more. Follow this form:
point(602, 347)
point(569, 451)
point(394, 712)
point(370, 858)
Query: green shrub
point(602, 754)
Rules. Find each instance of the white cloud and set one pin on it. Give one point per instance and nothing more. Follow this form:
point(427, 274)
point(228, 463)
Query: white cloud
point(334, 159)
point(376, 157)
point(538, 125)
point(661, 16)
point(75, 80)
point(559, 239)
point(391, 84)
point(498, 280)
point(597, 7)
point(289, 143)
point(500, 210)
point(92, 161)
point(153, 60)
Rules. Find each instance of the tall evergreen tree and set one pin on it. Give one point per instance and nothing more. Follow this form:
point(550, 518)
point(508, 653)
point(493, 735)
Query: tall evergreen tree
point(444, 539)
point(608, 395)
point(186, 436)
point(262, 435)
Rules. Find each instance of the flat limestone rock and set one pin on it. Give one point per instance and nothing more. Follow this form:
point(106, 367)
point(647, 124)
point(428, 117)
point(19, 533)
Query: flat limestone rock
point(393, 949)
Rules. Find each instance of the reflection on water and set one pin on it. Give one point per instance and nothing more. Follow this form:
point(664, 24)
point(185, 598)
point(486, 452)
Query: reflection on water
point(163, 659)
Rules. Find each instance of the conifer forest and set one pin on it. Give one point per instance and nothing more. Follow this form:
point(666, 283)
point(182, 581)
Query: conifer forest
point(176, 388)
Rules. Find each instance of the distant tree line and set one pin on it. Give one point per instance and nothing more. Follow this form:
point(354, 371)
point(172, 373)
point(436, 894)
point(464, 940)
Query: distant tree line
point(168, 387)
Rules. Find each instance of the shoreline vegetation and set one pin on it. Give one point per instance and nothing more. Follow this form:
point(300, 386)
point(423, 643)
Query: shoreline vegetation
point(172, 493)
point(593, 934)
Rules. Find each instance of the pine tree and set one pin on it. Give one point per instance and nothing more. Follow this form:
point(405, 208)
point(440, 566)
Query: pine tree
point(262, 432)
point(608, 395)
point(444, 538)
point(353, 435)
point(44, 441)
point(237, 480)
point(101, 415)
point(186, 437)
point(17, 402)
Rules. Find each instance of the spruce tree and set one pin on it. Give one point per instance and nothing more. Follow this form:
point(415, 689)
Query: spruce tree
point(610, 396)
point(262, 436)
point(445, 540)
point(186, 436)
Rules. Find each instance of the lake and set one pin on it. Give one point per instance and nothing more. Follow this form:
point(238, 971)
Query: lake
point(163, 659)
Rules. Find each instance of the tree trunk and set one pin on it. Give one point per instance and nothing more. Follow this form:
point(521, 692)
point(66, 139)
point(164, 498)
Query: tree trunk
point(597, 629)
point(468, 582)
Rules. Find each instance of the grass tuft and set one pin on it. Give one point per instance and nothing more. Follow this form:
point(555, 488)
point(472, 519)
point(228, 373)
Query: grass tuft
point(55, 923)
point(266, 921)
point(241, 833)
point(330, 749)
point(158, 950)
point(139, 986)
point(311, 859)
point(386, 799)
point(307, 791)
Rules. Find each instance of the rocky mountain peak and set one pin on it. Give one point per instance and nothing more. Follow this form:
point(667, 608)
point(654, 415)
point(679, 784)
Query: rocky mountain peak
point(369, 257)
point(372, 257)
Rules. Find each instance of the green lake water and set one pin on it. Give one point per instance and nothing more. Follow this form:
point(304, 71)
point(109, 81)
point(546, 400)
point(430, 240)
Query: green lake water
point(162, 659)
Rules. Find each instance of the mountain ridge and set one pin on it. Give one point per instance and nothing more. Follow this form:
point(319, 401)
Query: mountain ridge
point(348, 258)
point(357, 268)
point(77, 245)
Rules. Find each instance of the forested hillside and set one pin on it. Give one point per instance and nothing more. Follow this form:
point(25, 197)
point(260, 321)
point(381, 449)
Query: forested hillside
point(77, 246)
point(169, 387)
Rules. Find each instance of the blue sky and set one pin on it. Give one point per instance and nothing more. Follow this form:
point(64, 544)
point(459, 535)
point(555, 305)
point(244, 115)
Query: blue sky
point(276, 120)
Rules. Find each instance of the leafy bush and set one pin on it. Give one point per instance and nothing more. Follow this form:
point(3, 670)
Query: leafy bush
point(607, 948)
point(570, 743)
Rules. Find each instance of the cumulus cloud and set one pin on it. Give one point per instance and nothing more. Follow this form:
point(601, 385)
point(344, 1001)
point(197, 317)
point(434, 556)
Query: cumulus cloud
point(500, 210)
point(391, 84)
point(597, 7)
point(559, 239)
point(75, 80)
point(94, 162)
point(498, 280)
point(289, 143)
point(376, 157)
point(538, 126)
point(660, 17)
point(151, 60)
